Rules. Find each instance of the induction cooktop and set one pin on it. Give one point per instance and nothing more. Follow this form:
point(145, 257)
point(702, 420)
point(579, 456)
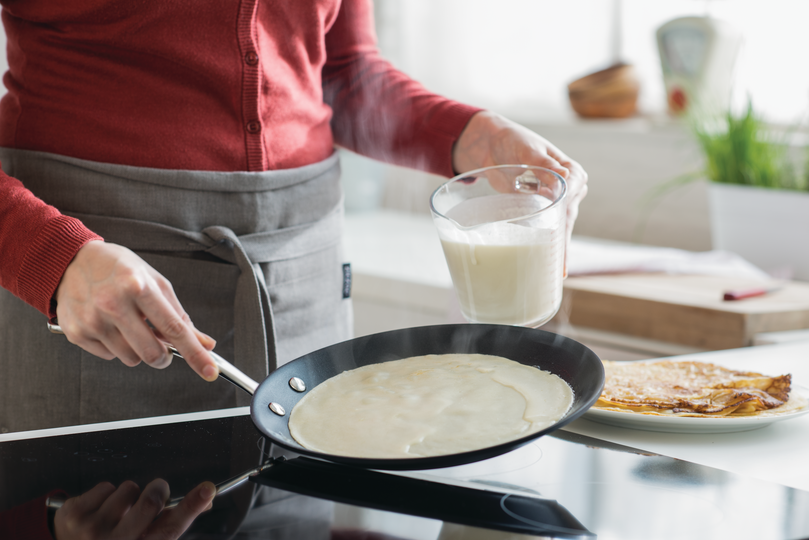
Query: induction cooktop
point(219, 449)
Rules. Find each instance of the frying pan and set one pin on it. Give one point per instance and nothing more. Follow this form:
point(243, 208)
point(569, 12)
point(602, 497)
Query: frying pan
point(274, 398)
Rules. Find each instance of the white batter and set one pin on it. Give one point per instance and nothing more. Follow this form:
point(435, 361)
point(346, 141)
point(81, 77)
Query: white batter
point(428, 406)
point(503, 272)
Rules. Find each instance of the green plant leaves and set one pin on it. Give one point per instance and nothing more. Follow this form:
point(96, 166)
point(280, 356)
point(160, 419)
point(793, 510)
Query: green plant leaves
point(739, 149)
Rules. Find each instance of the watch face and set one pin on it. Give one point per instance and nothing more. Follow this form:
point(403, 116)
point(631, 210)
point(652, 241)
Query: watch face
point(684, 50)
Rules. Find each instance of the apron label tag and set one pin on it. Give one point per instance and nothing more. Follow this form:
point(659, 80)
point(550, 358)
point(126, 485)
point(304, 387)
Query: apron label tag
point(347, 280)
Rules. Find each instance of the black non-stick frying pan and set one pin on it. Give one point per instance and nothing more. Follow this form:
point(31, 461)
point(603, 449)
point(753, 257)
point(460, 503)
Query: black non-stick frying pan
point(274, 398)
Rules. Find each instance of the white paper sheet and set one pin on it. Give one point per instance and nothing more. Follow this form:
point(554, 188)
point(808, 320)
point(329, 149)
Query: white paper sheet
point(587, 256)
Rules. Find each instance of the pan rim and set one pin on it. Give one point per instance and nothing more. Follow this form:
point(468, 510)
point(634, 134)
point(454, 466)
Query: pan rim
point(582, 403)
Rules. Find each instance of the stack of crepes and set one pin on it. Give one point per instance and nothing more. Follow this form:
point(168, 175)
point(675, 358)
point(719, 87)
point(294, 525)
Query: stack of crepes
point(683, 388)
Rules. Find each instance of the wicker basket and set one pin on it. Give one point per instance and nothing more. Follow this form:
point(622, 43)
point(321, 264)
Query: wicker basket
point(609, 93)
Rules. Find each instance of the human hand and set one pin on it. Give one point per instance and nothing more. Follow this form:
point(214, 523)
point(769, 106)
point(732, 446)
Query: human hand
point(489, 139)
point(104, 299)
point(107, 513)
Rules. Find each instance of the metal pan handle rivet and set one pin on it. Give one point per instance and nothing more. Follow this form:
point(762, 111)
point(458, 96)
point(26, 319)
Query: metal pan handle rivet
point(297, 384)
point(277, 409)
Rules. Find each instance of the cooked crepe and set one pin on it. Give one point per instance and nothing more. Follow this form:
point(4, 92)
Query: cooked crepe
point(683, 388)
point(428, 406)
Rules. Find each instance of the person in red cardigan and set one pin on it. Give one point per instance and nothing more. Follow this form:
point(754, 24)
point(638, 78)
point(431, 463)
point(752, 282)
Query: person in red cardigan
point(250, 87)
point(220, 87)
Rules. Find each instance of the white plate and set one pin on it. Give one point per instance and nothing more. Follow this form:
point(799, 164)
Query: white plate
point(693, 424)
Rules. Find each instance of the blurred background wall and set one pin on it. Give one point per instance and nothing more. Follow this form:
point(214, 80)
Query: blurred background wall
point(516, 57)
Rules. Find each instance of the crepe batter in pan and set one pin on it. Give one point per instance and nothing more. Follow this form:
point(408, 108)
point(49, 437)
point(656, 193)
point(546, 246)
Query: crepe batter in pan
point(429, 406)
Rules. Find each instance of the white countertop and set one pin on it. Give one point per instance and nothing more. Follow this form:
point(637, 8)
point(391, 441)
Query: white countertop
point(396, 259)
point(396, 245)
point(776, 453)
point(403, 248)
point(401, 279)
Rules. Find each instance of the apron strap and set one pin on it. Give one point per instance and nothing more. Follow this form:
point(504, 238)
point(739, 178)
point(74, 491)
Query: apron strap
point(254, 333)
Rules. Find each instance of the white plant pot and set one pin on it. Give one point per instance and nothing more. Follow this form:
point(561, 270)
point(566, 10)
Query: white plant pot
point(768, 227)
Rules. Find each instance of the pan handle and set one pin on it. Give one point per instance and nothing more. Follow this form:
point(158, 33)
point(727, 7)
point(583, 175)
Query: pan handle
point(227, 371)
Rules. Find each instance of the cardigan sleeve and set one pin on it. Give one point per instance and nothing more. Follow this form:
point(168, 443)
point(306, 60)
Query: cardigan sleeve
point(36, 243)
point(28, 521)
point(379, 111)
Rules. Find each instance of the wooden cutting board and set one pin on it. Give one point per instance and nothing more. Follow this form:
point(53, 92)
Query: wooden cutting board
point(683, 309)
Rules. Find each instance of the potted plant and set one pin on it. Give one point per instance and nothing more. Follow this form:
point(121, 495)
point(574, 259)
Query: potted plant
point(758, 197)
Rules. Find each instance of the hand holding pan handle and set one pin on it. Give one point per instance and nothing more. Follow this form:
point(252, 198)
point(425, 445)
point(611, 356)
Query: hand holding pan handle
point(227, 371)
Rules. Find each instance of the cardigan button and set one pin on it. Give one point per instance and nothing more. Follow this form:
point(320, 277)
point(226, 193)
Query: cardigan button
point(251, 58)
point(253, 127)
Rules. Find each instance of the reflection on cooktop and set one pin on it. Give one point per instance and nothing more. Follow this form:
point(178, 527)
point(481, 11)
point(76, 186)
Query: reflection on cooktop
point(295, 492)
point(183, 454)
point(675, 472)
point(621, 494)
point(612, 491)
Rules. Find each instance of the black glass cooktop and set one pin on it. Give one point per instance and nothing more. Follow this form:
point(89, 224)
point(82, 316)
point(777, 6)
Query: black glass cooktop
point(562, 486)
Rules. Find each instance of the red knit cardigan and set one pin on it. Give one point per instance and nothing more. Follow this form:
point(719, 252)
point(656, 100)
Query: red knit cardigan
point(220, 85)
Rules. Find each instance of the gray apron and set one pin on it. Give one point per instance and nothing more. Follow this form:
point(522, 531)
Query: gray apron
point(254, 258)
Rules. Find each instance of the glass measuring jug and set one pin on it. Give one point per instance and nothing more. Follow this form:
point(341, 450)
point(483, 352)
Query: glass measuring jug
point(502, 229)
